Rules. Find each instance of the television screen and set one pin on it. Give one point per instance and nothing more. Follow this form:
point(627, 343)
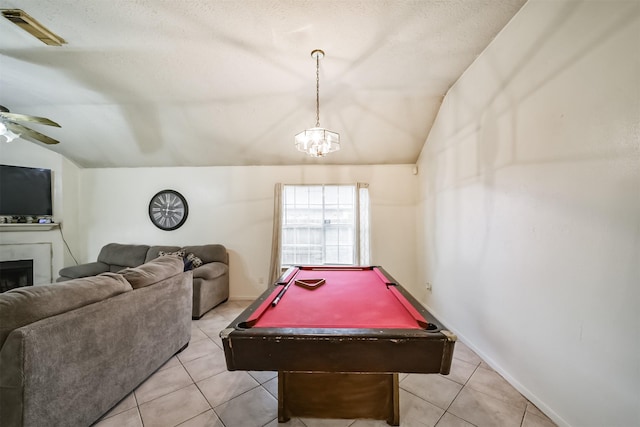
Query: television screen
point(25, 191)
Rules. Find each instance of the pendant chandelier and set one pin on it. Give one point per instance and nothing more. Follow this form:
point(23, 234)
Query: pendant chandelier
point(317, 141)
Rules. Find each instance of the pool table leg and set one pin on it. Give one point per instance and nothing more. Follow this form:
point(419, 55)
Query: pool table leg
point(283, 411)
point(394, 414)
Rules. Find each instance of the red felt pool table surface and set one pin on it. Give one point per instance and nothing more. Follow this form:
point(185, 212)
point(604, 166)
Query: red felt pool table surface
point(351, 297)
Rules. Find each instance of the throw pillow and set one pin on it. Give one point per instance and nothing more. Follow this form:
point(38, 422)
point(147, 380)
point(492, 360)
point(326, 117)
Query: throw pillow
point(195, 261)
point(179, 253)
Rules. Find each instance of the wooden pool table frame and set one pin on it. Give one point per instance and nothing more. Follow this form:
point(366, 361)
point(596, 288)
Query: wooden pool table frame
point(355, 361)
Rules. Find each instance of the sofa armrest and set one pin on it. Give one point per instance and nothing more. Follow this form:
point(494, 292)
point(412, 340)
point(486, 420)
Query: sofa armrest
point(84, 270)
point(211, 270)
point(123, 255)
point(209, 253)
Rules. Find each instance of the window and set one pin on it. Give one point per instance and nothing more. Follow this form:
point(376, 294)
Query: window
point(325, 224)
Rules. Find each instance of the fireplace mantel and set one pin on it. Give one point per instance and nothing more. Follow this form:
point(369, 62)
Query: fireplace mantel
point(28, 227)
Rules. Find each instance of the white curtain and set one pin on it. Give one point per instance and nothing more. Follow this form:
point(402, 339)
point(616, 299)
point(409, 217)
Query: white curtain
point(363, 231)
point(276, 241)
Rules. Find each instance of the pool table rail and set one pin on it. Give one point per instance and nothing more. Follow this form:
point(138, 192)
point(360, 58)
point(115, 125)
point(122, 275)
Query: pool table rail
point(338, 350)
point(420, 350)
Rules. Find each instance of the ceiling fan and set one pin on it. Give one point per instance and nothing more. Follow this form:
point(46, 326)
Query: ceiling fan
point(10, 129)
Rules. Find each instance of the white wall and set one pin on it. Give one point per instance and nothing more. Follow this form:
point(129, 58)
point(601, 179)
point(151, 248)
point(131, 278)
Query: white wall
point(233, 206)
point(65, 195)
point(529, 209)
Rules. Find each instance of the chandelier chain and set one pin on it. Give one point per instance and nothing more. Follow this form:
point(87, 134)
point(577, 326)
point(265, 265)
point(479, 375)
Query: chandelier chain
point(317, 91)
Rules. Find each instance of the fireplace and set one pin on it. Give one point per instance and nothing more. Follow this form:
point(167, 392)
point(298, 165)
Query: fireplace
point(15, 274)
point(40, 253)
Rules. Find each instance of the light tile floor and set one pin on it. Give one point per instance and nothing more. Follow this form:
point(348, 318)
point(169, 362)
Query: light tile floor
point(194, 389)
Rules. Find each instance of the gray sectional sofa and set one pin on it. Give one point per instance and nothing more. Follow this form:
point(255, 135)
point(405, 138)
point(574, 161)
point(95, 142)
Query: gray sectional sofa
point(210, 280)
point(71, 351)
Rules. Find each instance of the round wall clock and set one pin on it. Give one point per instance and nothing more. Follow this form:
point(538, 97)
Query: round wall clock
point(168, 210)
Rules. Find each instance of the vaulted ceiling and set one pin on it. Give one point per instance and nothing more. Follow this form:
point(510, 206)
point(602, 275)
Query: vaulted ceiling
point(211, 82)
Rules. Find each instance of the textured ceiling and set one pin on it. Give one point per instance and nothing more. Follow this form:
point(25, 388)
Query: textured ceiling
point(203, 83)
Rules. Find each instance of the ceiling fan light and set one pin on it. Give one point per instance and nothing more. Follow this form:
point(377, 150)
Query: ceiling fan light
point(7, 135)
point(10, 136)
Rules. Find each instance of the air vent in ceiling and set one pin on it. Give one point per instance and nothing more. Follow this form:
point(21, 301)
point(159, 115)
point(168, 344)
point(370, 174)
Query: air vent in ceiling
point(33, 27)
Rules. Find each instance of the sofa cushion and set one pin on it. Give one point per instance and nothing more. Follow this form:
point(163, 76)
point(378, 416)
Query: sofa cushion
point(123, 255)
point(153, 271)
point(154, 251)
point(22, 306)
point(84, 270)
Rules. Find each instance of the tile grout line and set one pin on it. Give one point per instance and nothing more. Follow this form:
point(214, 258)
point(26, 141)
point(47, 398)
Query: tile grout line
point(524, 414)
point(506, 402)
point(135, 398)
point(193, 382)
point(199, 391)
point(235, 397)
point(458, 394)
point(196, 384)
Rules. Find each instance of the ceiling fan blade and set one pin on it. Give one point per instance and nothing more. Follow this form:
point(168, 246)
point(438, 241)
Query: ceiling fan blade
point(30, 133)
point(25, 118)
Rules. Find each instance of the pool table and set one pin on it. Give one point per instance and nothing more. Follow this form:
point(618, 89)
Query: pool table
point(338, 337)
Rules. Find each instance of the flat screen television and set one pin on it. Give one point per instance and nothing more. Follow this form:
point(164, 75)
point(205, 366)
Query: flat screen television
point(25, 191)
